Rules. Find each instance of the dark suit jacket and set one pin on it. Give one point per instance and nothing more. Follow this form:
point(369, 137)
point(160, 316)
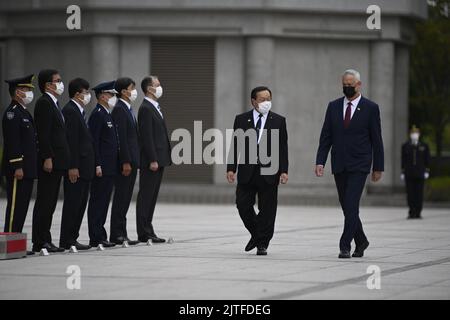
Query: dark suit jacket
point(51, 131)
point(80, 141)
point(19, 142)
point(106, 143)
point(352, 148)
point(153, 136)
point(128, 134)
point(245, 168)
point(415, 159)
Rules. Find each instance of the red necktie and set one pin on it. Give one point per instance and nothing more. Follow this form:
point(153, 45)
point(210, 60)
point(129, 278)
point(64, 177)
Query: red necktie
point(348, 115)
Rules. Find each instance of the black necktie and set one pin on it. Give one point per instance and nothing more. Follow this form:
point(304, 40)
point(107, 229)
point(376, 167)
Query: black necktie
point(258, 126)
point(60, 111)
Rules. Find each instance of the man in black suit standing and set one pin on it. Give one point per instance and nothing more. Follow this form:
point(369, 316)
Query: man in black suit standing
point(155, 155)
point(127, 129)
point(106, 147)
point(81, 164)
point(352, 130)
point(53, 157)
point(252, 178)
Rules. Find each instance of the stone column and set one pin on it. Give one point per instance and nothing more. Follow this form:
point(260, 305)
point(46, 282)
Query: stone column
point(229, 91)
point(260, 62)
point(382, 88)
point(15, 57)
point(105, 59)
point(401, 107)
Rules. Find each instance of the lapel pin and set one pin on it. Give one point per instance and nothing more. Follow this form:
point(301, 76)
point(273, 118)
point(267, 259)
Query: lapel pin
point(249, 120)
point(359, 109)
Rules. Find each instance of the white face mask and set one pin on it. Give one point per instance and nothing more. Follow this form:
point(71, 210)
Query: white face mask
point(59, 88)
point(158, 92)
point(112, 101)
point(86, 99)
point(414, 136)
point(133, 95)
point(264, 107)
point(29, 95)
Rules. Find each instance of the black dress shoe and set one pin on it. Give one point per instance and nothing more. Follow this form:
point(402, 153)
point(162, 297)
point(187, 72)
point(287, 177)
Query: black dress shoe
point(359, 251)
point(250, 245)
point(262, 251)
point(131, 242)
point(344, 254)
point(155, 239)
point(50, 247)
point(80, 246)
point(104, 243)
point(30, 253)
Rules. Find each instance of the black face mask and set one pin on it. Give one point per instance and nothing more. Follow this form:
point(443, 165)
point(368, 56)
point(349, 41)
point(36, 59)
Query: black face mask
point(349, 91)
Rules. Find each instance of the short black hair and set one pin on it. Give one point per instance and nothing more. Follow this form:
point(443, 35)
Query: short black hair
point(45, 76)
point(259, 89)
point(145, 83)
point(123, 83)
point(77, 85)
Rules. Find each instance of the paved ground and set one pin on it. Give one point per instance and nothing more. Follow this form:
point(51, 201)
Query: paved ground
point(207, 260)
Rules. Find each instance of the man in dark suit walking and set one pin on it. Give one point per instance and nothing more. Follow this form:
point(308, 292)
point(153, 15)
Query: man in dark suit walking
point(81, 164)
point(106, 147)
point(126, 122)
point(253, 178)
point(53, 157)
point(155, 155)
point(352, 130)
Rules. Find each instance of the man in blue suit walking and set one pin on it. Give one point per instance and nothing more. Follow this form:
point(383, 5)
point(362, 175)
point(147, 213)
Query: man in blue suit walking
point(352, 130)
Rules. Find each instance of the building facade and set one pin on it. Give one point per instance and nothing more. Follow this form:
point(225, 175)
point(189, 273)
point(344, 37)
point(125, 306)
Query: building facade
point(210, 53)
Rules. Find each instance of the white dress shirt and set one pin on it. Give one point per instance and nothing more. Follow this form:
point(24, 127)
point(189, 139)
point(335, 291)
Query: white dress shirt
point(263, 121)
point(155, 105)
point(78, 105)
point(354, 105)
point(55, 101)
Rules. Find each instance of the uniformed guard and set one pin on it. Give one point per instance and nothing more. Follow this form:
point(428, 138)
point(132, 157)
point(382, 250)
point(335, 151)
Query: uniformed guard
point(106, 147)
point(415, 170)
point(19, 163)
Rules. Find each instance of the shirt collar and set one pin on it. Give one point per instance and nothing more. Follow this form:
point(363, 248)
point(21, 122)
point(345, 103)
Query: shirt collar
point(78, 105)
point(126, 103)
point(256, 114)
point(106, 109)
point(53, 98)
point(354, 102)
point(154, 102)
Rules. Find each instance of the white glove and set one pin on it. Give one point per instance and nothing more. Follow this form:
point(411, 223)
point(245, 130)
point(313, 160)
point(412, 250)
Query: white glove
point(426, 175)
point(402, 176)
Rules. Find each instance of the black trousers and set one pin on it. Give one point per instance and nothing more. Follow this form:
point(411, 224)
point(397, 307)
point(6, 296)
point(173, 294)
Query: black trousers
point(101, 190)
point(414, 190)
point(46, 200)
point(123, 192)
point(261, 226)
point(24, 188)
point(149, 184)
point(350, 186)
point(75, 202)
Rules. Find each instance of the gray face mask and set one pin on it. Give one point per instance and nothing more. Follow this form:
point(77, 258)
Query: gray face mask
point(264, 107)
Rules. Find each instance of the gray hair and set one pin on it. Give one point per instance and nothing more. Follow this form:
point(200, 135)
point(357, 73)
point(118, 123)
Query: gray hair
point(354, 73)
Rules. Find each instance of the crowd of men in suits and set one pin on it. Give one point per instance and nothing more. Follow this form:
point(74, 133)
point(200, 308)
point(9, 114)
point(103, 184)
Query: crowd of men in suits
point(102, 153)
point(92, 155)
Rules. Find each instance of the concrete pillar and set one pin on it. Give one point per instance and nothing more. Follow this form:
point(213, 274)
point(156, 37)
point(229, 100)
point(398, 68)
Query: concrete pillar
point(105, 59)
point(229, 90)
point(260, 62)
point(15, 57)
point(401, 107)
point(135, 61)
point(382, 87)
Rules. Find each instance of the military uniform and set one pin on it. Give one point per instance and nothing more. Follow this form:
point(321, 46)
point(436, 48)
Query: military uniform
point(106, 148)
point(19, 152)
point(415, 167)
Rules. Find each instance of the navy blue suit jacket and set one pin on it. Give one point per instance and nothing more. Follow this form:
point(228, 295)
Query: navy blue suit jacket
point(352, 148)
point(128, 134)
point(106, 143)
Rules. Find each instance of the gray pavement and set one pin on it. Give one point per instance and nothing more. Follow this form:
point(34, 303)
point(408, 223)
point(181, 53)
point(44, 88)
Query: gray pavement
point(207, 259)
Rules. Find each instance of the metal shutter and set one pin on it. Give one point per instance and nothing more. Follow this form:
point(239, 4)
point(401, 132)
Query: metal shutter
point(185, 67)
